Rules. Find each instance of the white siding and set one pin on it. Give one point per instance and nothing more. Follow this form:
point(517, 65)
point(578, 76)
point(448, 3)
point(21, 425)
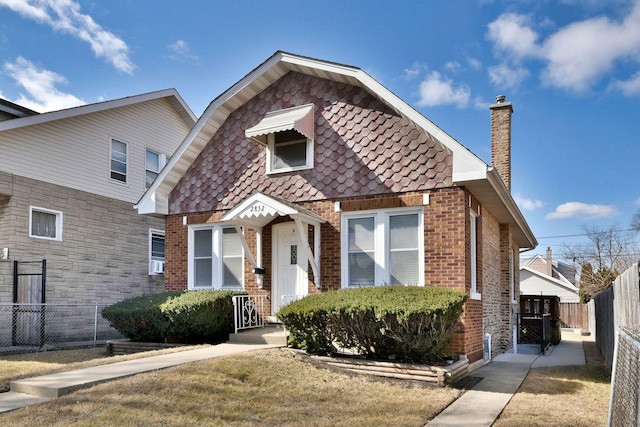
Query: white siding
point(530, 284)
point(75, 152)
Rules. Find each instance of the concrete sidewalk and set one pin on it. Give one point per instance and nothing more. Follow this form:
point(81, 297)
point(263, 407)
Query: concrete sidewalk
point(40, 389)
point(501, 378)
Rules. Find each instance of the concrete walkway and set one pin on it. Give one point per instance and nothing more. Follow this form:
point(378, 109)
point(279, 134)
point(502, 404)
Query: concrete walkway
point(40, 389)
point(501, 378)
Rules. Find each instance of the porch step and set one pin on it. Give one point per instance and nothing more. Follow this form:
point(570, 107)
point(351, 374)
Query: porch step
point(269, 334)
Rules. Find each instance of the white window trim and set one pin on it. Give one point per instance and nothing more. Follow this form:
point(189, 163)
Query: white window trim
point(126, 165)
point(217, 268)
point(59, 221)
point(153, 232)
point(381, 227)
point(473, 262)
point(271, 156)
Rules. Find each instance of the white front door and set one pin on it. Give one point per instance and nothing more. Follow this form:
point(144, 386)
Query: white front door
point(290, 263)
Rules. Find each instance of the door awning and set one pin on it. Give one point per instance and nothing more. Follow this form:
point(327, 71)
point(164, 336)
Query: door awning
point(258, 210)
point(299, 119)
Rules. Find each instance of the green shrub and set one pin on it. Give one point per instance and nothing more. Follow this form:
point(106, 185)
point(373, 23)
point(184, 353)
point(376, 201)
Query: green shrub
point(140, 318)
point(402, 322)
point(200, 316)
point(186, 317)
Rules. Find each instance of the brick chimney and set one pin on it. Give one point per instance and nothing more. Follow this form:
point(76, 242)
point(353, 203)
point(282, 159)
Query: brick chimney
point(549, 263)
point(501, 113)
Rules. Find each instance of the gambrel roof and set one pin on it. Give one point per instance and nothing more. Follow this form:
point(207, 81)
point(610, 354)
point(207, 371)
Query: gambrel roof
point(468, 170)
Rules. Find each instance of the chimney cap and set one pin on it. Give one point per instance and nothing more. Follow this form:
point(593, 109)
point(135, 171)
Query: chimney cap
point(500, 99)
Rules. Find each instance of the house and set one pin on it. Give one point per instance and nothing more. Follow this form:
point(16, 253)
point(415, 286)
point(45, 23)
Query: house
point(545, 276)
point(307, 176)
point(68, 183)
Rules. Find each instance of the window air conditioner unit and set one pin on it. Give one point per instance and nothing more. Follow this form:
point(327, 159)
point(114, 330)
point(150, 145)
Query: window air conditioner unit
point(157, 267)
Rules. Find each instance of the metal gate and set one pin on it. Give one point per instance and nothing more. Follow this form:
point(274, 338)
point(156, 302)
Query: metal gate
point(29, 281)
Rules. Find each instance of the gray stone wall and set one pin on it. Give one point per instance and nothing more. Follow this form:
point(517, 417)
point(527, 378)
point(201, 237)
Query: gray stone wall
point(103, 255)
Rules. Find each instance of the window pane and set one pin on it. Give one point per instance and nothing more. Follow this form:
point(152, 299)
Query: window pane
point(403, 267)
point(202, 273)
point(43, 224)
point(290, 150)
point(231, 244)
point(232, 272)
point(361, 251)
point(403, 231)
point(118, 166)
point(151, 176)
point(361, 234)
point(361, 269)
point(157, 247)
point(202, 243)
point(153, 161)
point(232, 259)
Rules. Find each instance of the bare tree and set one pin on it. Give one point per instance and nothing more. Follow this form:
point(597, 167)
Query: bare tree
point(607, 252)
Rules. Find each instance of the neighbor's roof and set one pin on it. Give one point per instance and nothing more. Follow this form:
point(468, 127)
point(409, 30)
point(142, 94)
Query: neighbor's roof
point(468, 170)
point(171, 94)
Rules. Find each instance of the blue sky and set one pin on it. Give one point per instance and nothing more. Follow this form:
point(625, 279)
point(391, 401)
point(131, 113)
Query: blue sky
point(571, 69)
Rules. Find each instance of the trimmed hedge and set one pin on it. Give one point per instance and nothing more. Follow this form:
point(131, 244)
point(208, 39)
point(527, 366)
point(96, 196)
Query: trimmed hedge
point(140, 318)
point(390, 322)
point(186, 317)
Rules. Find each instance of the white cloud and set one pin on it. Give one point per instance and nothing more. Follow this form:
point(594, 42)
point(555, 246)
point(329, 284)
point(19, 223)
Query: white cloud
point(506, 76)
point(576, 56)
point(65, 16)
point(474, 63)
point(40, 84)
point(180, 51)
point(453, 66)
point(438, 90)
point(586, 211)
point(629, 87)
point(528, 204)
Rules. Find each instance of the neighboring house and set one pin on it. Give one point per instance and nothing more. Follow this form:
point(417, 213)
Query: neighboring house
point(68, 183)
point(307, 176)
point(545, 276)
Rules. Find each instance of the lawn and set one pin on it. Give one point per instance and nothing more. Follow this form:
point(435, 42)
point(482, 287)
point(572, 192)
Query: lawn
point(562, 396)
point(281, 388)
point(268, 388)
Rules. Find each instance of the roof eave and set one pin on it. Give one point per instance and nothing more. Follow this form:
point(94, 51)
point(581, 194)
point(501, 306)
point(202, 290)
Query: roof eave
point(494, 196)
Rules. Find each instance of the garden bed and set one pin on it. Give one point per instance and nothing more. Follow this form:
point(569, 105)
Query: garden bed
point(117, 347)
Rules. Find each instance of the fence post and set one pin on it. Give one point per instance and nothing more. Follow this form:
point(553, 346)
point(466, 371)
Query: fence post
point(95, 326)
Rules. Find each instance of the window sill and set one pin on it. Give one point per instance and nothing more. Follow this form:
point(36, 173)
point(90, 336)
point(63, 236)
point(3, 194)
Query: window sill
point(299, 168)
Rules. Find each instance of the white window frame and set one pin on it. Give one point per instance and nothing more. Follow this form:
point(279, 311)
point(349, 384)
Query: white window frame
point(59, 221)
point(126, 162)
point(381, 243)
point(152, 259)
point(271, 157)
point(473, 262)
point(217, 267)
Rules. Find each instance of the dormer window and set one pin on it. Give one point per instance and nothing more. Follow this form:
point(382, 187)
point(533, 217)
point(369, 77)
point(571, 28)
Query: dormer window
point(288, 137)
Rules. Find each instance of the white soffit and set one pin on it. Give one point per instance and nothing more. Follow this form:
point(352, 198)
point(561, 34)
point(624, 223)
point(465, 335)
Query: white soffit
point(295, 118)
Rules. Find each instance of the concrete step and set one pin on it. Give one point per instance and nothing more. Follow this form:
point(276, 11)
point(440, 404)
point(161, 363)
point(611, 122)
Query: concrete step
point(269, 334)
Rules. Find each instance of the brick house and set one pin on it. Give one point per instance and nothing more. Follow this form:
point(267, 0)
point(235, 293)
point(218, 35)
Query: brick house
point(68, 183)
point(307, 176)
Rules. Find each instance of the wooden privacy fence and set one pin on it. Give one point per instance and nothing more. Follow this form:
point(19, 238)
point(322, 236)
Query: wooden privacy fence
point(574, 315)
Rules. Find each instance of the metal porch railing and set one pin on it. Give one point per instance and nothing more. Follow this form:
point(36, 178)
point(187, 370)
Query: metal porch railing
point(248, 311)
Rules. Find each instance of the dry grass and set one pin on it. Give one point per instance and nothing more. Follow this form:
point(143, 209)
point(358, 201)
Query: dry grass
point(266, 388)
point(16, 366)
point(562, 396)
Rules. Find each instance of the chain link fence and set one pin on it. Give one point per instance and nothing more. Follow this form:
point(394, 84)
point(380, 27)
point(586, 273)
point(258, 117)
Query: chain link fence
point(625, 400)
point(36, 327)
